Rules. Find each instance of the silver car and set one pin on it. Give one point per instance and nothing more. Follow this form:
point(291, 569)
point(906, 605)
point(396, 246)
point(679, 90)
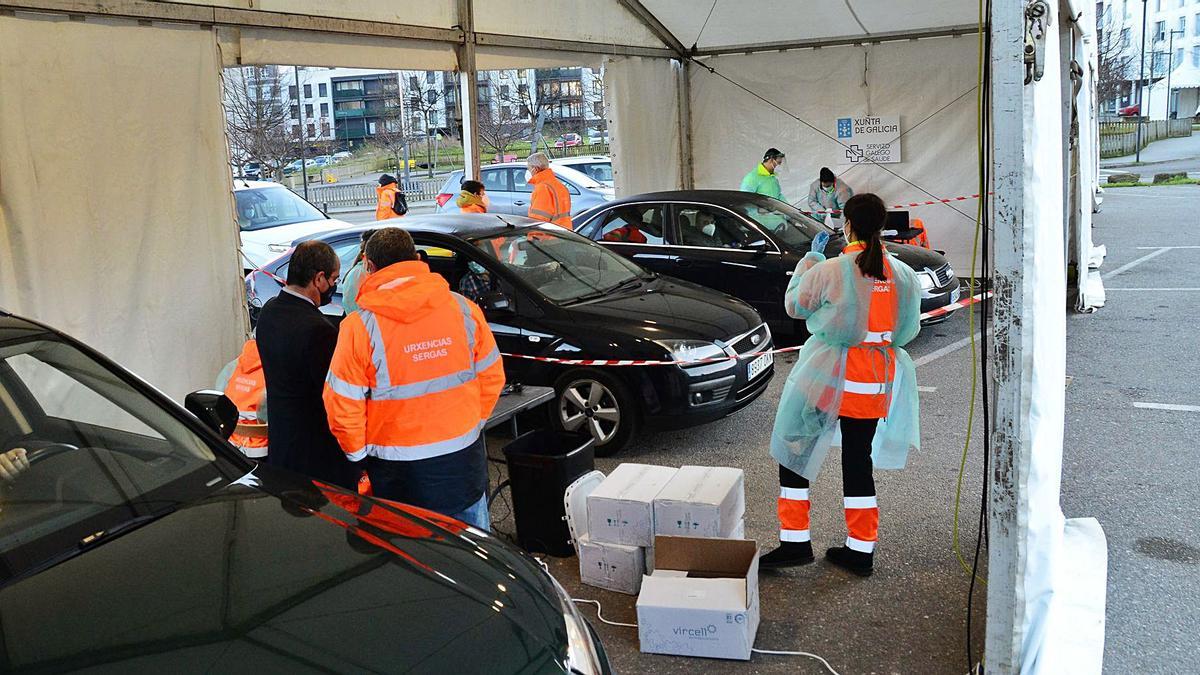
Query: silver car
point(509, 193)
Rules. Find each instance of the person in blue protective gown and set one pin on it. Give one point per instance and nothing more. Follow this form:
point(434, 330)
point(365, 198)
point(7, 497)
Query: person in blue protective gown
point(853, 385)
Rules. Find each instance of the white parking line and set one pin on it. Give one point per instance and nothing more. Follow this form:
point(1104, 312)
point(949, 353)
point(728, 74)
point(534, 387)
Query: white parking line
point(1130, 265)
point(1167, 406)
point(1151, 248)
point(948, 349)
point(926, 390)
point(1151, 289)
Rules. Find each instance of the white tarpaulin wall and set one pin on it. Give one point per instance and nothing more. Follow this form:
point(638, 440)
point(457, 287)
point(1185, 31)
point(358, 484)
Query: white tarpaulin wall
point(641, 96)
point(115, 217)
point(912, 79)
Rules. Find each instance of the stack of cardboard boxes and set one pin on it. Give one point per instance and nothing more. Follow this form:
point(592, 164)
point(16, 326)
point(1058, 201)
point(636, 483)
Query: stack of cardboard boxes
point(675, 538)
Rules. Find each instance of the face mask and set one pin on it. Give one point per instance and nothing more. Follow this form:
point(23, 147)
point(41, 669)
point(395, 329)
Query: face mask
point(827, 189)
point(528, 174)
point(475, 268)
point(327, 294)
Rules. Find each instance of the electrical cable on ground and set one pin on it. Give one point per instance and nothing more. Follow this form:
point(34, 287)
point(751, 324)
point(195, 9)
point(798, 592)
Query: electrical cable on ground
point(772, 652)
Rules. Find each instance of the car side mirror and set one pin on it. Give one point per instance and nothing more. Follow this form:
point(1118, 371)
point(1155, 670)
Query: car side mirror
point(214, 409)
point(496, 302)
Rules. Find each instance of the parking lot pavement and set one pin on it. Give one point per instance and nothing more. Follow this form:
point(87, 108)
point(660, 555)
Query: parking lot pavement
point(910, 616)
point(1134, 467)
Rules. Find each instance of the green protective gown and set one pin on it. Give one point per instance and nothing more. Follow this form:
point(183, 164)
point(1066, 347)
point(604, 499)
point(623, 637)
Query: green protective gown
point(834, 298)
point(350, 285)
point(762, 182)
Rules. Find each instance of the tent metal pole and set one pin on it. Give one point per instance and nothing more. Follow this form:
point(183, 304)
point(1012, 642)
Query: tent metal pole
point(1009, 354)
point(469, 94)
point(752, 48)
point(687, 173)
point(639, 11)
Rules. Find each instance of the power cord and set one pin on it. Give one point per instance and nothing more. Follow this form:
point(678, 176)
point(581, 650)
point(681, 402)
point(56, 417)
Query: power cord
point(770, 652)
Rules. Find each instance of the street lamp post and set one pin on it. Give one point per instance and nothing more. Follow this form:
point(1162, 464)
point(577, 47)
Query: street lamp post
point(1141, 86)
point(303, 150)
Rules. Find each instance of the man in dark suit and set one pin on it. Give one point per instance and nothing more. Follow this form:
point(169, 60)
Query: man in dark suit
point(296, 343)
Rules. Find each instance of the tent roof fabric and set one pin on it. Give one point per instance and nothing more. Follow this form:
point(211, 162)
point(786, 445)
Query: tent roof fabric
point(783, 21)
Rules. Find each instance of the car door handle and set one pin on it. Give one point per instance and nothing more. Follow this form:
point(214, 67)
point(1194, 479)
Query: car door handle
point(683, 262)
point(518, 203)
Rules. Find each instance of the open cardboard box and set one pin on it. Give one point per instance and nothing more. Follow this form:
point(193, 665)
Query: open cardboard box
point(702, 599)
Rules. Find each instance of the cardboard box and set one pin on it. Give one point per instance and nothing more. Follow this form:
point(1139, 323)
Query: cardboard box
point(711, 612)
point(621, 509)
point(701, 501)
point(739, 532)
point(615, 567)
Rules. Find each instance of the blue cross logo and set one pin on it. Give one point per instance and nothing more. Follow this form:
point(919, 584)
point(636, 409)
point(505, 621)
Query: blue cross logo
point(845, 127)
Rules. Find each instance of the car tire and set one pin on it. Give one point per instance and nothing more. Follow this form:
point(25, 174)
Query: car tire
point(613, 417)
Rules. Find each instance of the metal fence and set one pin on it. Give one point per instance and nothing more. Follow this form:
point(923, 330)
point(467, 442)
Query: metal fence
point(1118, 139)
point(363, 194)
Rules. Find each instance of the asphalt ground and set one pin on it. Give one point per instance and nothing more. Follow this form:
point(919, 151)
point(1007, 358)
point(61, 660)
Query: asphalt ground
point(910, 616)
point(1135, 469)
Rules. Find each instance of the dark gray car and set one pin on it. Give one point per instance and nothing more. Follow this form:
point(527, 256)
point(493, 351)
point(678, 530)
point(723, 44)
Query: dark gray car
point(509, 193)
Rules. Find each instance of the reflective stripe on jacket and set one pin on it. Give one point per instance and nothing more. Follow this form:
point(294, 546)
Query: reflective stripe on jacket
point(871, 364)
point(416, 371)
point(550, 201)
point(386, 195)
point(246, 388)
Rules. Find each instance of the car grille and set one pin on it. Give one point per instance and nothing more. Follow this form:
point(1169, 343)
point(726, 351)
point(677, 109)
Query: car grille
point(943, 274)
point(752, 342)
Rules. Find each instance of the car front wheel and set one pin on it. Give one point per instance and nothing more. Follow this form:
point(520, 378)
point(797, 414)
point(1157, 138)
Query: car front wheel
point(594, 402)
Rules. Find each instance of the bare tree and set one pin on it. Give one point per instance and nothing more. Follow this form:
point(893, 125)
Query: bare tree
point(1117, 59)
point(424, 99)
point(501, 118)
point(393, 135)
point(257, 118)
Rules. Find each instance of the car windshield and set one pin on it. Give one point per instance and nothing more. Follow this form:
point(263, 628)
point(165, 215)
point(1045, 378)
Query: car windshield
point(85, 455)
point(261, 208)
point(791, 227)
point(560, 265)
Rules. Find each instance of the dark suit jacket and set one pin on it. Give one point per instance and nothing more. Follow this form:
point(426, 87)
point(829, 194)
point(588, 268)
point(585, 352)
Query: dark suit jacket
point(296, 343)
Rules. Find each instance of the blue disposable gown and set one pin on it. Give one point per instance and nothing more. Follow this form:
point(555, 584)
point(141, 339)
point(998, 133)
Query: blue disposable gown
point(834, 298)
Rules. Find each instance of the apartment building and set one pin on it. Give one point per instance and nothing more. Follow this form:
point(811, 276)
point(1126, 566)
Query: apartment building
point(1172, 46)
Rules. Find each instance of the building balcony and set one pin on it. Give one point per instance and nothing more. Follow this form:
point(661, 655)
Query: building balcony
point(347, 94)
point(559, 73)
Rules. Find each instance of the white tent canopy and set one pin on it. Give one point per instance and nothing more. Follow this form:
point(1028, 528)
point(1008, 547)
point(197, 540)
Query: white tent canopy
point(149, 241)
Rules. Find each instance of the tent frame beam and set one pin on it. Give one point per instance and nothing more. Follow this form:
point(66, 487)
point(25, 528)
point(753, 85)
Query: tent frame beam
point(647, 18)
point(208, 15)
point(469, 88)
point(817, 43)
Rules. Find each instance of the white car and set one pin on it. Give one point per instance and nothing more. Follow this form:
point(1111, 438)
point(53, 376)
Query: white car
point(596, 167)
point(271, 217)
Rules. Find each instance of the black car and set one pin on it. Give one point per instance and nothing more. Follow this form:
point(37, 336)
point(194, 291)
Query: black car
point(740, 243)
point(139, 540)
point(553, 294)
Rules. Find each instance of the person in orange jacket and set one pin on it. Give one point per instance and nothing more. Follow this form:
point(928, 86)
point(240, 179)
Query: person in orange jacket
point(473, 198)
point(414, 378)
point(244, 384)
point(550, 200)
point(390, 199)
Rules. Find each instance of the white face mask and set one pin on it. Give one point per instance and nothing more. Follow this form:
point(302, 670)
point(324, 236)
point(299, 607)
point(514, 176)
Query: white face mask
point(528, 174)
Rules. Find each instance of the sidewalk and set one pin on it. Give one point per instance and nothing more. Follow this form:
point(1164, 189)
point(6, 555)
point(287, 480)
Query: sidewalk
point(1160, 152)
point(356, 215)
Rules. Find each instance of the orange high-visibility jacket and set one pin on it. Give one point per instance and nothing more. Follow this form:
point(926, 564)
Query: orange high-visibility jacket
point(871, 364)
point(386, 198)
point(416, 371)
point(246, 388)
point(550, 200)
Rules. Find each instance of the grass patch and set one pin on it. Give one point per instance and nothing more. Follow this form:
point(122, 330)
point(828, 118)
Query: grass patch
point(1173, 181)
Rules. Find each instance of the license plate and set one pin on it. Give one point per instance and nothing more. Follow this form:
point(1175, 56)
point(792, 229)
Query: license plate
point(954, 294)
point(758, 365)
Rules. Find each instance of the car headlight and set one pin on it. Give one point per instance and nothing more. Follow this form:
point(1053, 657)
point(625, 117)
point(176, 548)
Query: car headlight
point(278, 248)
point(927, 280)
point(582, 655)
point(691, 350)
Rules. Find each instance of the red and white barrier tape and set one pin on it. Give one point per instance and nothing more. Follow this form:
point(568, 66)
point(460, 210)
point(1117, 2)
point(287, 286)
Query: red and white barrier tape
point(909, 205)
point(940, 311)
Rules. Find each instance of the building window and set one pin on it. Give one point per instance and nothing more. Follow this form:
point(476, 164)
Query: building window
point(1196, 56)
point(1183, 25)
point(324, 110)
point(292, 91)
point(504, 90)
point(308, 110)
point(322, 90)
point(372, 127)
point(312, 130)
point(1196, 25)
point(412, 82)
point(1178, 58)
point(430, 77)
point(506, 113)
point(324, 128)
point(308, 91)
point(349, 85)
point(1124, 38)
point(598, 108)
point(1160, 30)
point(1158, 5)
point(295, 112)
point(349, 105)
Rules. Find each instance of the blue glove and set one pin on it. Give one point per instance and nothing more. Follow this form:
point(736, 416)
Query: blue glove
point(819, 242)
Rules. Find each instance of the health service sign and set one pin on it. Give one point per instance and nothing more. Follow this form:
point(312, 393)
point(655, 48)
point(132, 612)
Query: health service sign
point(869, 139)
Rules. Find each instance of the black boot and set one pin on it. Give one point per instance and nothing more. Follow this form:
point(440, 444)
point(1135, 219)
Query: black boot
point(850, 560)
point(789, 554)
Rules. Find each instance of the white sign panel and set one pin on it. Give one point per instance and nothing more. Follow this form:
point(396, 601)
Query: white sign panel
point(869, 139)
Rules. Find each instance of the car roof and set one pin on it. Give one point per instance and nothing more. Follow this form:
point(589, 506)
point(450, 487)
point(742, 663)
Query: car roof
point(581, 159)
point(240, 184)
point(555, 166)
point(460, 225)
point(720, 197)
